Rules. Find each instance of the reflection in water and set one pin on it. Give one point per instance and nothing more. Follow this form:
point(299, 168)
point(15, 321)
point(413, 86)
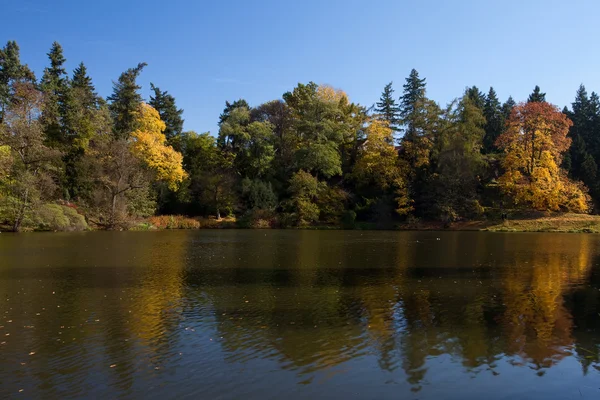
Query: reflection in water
point(262, 314)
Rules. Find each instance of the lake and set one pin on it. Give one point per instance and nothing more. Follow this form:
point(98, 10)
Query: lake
point(231, 314)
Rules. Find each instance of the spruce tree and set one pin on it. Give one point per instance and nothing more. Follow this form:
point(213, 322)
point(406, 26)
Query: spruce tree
point(124, 102)
point(507, 107)
point(11, 70)
point(387, 109)
point(164, 103)
point(495, 120)
point(412, 98)
point(57, 113)
point(82, 83)
point(537, 95)
point(476, 96)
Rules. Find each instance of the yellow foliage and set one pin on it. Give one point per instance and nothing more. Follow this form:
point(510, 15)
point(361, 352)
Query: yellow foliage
point(330, 94)
point(535, 139)
point(149, 145)
point(5, 160)
point(378, 164)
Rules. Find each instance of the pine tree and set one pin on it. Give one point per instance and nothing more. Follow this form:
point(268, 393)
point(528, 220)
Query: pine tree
point(387, 109)
point(82, 83)
point(11, 70)
point(414, 94)
point(537, 95)
point(164, 103)
point(507, 107)
point(125, 101)
point(476, 96)
point(495, 120)
point(57, 112)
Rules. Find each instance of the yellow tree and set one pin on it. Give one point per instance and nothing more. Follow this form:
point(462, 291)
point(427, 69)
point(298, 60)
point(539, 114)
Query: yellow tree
point(149, 145)
point(533, 143)
point(378, 166)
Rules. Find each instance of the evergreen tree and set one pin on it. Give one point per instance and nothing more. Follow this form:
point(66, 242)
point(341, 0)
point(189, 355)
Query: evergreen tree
point(495, 120)
point(414, 94)
point(83, 83)
point(507, 107)
point(58, 107)
point(387, 109)
point(476, 96)
point(11, 70)
point(164, 103)
point(125, 101)
point(537, 95)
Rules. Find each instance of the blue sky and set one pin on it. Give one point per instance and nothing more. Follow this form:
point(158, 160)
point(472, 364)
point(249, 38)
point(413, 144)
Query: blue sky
point(207, 52)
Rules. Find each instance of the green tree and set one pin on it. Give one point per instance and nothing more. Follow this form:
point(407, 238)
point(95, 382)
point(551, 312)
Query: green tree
point(29, 181)
point(460, 162)
point(537, 95)
point(164, 103)
point(412, 99)
point(317, 130)
point(476, 96)
point(495, 121)
point(211, 175)
point(125, 101)
point(11, 71)
point(57, 114)
point(387, 109)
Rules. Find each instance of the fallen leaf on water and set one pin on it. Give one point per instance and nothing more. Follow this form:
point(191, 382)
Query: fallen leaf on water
point(32, 353)
point(113, 365)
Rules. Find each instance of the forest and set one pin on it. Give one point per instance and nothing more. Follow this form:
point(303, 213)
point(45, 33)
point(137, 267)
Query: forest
point(72, 160)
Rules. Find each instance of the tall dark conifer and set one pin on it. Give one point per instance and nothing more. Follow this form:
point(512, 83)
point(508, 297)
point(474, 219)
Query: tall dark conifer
point(537, 95)
point(11, 70)
point(164, 103)
point(495, 120)
point(124, 101)
point(387, 109)
point(412, 98)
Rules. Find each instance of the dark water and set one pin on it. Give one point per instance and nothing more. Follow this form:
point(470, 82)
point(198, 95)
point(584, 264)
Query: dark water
point(300, 314)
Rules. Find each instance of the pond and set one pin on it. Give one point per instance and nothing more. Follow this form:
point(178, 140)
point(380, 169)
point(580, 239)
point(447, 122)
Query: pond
point(229, 314)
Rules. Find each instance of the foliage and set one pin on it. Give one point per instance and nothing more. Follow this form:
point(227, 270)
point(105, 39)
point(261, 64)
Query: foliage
point(149, 145)
point(309, 158)
point(534, 142)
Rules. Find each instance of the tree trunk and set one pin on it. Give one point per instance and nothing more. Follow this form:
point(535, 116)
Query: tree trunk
point(21, 214)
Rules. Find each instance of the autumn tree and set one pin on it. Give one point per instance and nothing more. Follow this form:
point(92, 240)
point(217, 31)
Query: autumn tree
point(378, 171)
point(534, 144)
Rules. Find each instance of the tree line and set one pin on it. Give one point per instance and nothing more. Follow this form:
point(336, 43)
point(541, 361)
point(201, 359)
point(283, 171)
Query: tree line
point(71, 159)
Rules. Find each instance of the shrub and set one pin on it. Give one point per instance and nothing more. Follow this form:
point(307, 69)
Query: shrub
point(174, 222)
point(56, 217)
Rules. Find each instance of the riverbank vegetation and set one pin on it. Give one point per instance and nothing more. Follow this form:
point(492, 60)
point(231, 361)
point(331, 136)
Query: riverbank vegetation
point(72, 160)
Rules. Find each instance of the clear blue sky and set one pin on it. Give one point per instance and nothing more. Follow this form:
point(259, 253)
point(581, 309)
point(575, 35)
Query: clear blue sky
point(206, 52)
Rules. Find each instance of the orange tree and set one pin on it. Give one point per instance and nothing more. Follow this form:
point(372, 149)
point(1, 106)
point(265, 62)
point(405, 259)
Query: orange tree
point(533, 144)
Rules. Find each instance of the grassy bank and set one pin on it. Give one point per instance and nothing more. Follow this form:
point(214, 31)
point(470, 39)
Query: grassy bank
point(524, 222)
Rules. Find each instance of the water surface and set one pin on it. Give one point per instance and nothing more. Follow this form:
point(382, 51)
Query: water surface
point(297, 314)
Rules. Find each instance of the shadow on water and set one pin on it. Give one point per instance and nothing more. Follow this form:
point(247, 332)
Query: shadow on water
point(259, 314)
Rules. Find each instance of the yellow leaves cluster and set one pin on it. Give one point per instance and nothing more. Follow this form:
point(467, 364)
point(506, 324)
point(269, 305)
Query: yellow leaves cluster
point(378, 164)
point(534, 141)
point(5, 160)
point(149, 145)
point(328, 93)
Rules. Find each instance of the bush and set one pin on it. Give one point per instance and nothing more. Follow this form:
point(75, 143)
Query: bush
point(56, 217)
point(174, 222)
